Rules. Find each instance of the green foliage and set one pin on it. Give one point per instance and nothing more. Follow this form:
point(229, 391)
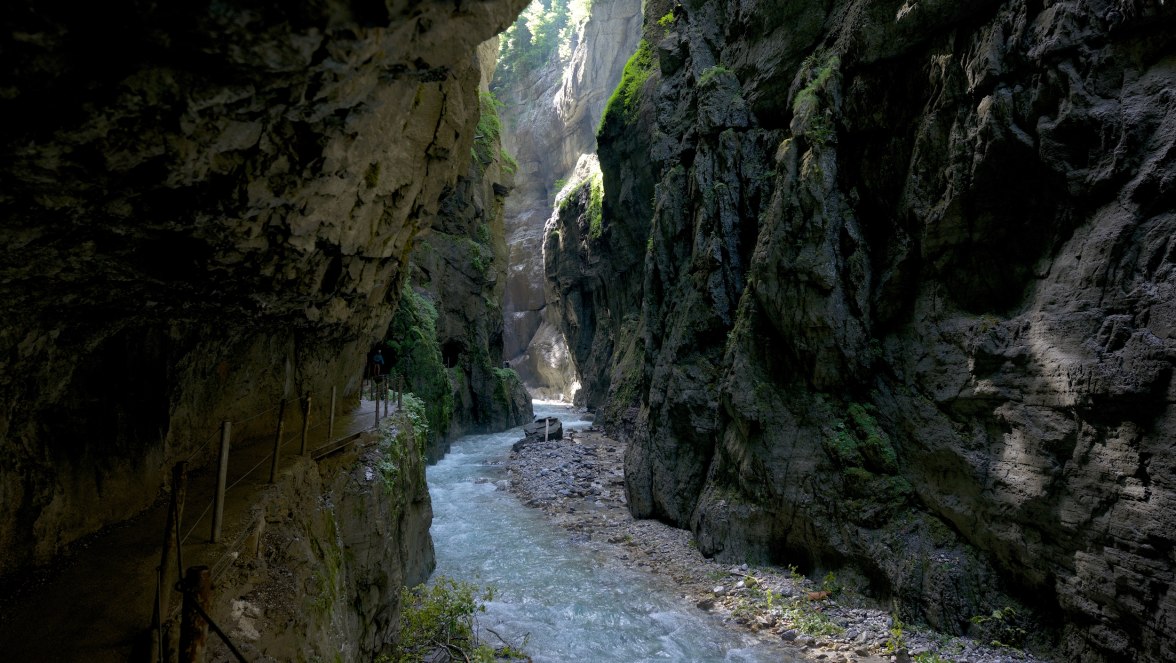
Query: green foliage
point(711, 74)
point(667, 20)
point(818, 72)
point(403, 437)
point(1005, 627)
point(795, 574)
point(506, 381)
point(626, 98)
point(861, 442)
point(413, 410)
point(829, 584)
point(509, 165)
point(481, 256)
point(929, 657)
point(489, 128)
point(482, 235)
point(541, 34)
point(810, 621)
point(443, 616)
point(819, 127)
point(594, 214)
point(596, 207)
point(416, 354)
point(820, 130)
point(896, 642)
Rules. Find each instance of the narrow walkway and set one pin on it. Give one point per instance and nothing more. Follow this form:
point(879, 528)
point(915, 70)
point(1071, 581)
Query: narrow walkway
point(96, 605)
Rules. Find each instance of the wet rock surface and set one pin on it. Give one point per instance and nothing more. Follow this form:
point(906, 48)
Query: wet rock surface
point(543, 429)
point(578, 483)
point(906, 301)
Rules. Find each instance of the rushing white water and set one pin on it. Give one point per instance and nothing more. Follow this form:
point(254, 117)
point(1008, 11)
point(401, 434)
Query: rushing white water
point(572, 604)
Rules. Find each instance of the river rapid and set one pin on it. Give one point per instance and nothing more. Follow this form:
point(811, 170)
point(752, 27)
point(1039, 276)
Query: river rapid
point(569, 602)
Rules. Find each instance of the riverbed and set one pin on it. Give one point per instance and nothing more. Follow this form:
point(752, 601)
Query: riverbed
point(568, 601)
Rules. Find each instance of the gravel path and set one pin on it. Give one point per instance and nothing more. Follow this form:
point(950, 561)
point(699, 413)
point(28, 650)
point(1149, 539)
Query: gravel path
point(579, 483)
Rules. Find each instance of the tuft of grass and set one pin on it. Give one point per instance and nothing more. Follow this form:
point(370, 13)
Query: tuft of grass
point(710, 74)
point(443, 618)
point(622, 105)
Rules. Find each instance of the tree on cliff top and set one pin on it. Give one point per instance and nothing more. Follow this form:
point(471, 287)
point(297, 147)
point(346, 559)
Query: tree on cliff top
point(543, 31)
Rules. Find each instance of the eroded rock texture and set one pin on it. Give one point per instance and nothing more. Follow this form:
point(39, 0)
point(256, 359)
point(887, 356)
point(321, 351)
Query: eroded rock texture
point(326, 556)
point(205, 208)
point(461, 263)
point(908, 300)
point(549, 124)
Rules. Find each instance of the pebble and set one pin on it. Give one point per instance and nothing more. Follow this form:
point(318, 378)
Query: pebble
point(546, 475)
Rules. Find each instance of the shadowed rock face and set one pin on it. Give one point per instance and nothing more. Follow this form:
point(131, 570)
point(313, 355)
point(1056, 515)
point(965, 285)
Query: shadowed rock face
point(205, 209)
point(462, 264)
point(908, 300)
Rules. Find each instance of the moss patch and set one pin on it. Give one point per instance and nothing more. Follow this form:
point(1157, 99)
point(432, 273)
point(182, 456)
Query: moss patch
point(416, 355)
point(622, 105)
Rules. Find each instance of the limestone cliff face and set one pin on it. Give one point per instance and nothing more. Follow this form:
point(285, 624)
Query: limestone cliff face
point(461, 263)
point(205, 208)
point(908, 300)
point(549, 122)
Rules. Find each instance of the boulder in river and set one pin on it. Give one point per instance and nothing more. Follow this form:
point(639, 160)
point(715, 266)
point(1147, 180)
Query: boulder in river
point(549, 427)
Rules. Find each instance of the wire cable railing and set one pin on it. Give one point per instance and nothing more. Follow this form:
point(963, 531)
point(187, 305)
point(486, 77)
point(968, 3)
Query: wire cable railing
point(379, 391)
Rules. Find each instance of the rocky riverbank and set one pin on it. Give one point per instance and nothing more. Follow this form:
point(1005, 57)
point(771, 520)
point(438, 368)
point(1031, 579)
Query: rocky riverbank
point(579, 482)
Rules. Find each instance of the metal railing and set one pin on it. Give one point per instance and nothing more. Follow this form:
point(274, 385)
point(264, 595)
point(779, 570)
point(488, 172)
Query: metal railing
point(196, 586)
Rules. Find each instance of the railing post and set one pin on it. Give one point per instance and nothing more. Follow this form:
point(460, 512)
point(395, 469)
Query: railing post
point(278, 440)
point(170, 538)
point(546, 428)
point(305, 425)
point(193, 627)
point(384, 393)
point(376, 397)
point(222, 478)
point(331, 418)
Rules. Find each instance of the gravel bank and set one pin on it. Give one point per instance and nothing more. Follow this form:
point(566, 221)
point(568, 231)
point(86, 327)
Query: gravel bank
point(579, 483)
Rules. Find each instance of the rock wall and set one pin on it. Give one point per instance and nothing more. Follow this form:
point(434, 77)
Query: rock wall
point(321, 567)
point(461, 263)
point(907, 300)
point(205, 208)
point(549, 122)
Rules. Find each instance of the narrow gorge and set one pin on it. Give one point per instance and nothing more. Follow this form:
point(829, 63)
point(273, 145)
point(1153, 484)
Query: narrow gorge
point(875, 291)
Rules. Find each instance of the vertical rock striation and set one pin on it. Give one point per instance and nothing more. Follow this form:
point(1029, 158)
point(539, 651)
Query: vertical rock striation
point(907, 299)
point(550, 122)
point(205, 208)
point(462, 263)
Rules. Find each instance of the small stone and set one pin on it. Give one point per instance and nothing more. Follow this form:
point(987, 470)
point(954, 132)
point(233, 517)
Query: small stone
point(790, 635)
point(706, 604)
